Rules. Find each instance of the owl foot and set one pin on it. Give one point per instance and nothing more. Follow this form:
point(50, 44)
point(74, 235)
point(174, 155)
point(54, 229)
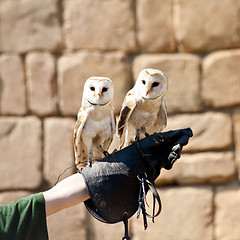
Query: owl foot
point(106, 153)
point(89, 163)
point(146, 134)
point(137, 138)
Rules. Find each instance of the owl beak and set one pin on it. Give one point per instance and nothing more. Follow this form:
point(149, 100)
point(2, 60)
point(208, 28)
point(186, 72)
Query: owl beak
point(99, 95)
point(148, 91)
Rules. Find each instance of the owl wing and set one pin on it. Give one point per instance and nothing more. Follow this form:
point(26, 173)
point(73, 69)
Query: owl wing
point(161, 121)
point(128, 107)
point(81, 121)
point(108, 141)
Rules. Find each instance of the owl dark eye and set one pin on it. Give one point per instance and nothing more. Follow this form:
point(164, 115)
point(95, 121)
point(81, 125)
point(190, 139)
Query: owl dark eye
point(144, 82)
point(155, 84)
point(92, 88)
point(104, 89)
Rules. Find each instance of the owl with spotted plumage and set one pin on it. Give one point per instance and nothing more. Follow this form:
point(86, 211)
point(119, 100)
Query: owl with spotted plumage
point(95, 125)
point(143, 110)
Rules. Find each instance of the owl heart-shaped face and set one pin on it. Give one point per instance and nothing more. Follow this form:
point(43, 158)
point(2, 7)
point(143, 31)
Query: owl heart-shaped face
point(98, 90)
point(151, 83)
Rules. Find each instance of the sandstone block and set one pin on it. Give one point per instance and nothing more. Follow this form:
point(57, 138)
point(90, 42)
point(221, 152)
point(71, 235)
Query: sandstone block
point(75, 69)
point(41, 83)
point(12, 86)
point(186, 215)
point(27, 25)
point(58, 148)
point(154, 26)
point(236, 127)
point(211, 130)
point(199, 168)
point(105, 25)
point(183, 75)
point(221, 79)
point(202, 26)
point(20, 150)
point(99, 230)
point(12, 196)
point(227, 217)
point(68, 224)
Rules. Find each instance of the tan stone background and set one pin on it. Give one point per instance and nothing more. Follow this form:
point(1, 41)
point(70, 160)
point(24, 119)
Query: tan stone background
point(49, 48)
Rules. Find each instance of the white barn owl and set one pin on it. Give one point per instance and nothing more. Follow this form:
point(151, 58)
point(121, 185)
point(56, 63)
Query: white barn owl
point(143, 110)
point(95, 125)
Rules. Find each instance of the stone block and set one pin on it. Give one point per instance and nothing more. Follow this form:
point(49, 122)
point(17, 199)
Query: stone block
point(221, 79)
point(202, 26)
point(41, 83)
point(200, 168)
point(227, 217)
point(236, 127)
point(12, 86)
point(183, 72)
point(211, 130)
point(27, 25)
point(186, 215)
point(69, 223)
point(105, 25)
point(12, 196)
point(99, 230)
point(75, 69)
point(154, 26)
point(58, 148)
point(20, 153)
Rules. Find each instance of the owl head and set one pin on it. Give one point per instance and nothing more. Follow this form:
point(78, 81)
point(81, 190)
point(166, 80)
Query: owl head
point(151, 83)
point(98, 90)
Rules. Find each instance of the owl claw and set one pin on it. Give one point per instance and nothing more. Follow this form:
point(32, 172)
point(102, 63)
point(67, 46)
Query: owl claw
point(146, 134)
point(106, 153)
point(89, 163)
point(137, 138)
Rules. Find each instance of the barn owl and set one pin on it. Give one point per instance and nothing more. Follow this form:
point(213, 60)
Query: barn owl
point(95, 125)
point(143, 110)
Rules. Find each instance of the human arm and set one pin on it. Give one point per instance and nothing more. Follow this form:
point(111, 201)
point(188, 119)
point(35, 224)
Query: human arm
point(67, 193)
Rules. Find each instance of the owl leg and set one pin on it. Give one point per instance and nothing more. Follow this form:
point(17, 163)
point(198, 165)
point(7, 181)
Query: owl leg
point(100, 148)
point(138, 133)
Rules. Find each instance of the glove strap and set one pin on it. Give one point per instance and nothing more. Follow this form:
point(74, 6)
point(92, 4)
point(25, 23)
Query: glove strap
point(142, 199)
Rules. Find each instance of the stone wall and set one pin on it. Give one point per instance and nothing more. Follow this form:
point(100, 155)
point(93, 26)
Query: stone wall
point(49, 48)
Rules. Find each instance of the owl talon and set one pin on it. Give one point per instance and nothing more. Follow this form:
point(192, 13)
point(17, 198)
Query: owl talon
point(89, 163)
point(106, 154)
point(137, 138)
point(146, 134)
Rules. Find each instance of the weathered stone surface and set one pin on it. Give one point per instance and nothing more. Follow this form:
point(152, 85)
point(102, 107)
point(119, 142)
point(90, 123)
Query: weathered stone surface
point(13, 196)
point(41, 83)
point(183, 75)
point(75, 69)
point(227, 217)
point(58, 148)
point(236, 127)
point(155, 26)
point(186, 215)
point(93, 24)
point(99, 230)
point(201, 26)
point(221, 79)
point(198, 168)
point(12, 86)
point(20, 153)
point(68, 224)
point(27, 25)
point(211, 130)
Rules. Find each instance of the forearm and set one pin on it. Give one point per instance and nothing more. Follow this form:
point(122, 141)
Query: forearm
point(65, 194)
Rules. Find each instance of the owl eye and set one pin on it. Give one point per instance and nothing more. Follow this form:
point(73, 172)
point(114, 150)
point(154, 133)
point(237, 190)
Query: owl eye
point(144, 82)
point(92, 88)
point(104, 89)
point(155, 84)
